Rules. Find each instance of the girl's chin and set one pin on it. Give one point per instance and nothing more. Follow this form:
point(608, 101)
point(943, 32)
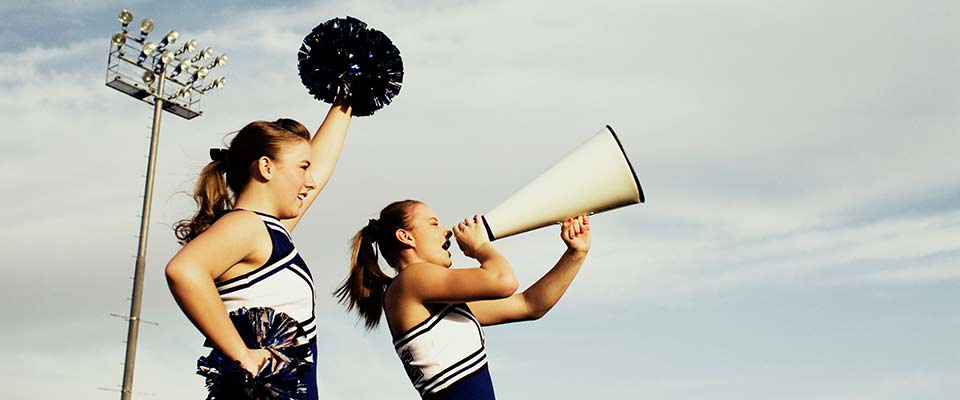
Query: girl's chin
point(290, 214)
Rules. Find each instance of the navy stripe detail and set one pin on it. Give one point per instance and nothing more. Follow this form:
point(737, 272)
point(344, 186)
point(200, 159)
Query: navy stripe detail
point(457, 364)
point(279, 229)
point(436, 319)
point(266, 264)
point(433, 382)
point(270, 218)
point(253, 281)
point(458, 378)
point(295, 268)
point(302, 266)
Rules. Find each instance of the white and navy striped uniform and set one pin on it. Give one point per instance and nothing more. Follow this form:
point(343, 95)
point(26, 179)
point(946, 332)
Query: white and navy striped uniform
point(443, 350)
point(283, 283)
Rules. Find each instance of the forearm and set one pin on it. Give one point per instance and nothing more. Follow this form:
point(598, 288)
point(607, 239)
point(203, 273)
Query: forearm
point(547, 291)
point(328, 142)
point(198, 298)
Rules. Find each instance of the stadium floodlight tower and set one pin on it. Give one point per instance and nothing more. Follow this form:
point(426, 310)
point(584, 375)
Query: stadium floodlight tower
point(170, 78)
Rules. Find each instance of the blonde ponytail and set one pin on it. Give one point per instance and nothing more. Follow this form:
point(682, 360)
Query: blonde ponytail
point(212, 198)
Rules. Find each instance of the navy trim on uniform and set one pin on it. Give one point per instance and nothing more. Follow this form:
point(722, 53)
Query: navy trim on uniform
point(308, 321)
point(446, 375)
point(476, 385)
point(309, 331)
point(303, 275)
point(436, 319)
point(244, 285)
point(282, 260)
point(457, 374)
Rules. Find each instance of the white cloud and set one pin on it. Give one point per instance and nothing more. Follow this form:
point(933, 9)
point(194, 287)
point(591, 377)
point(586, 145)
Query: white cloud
point(938, 272)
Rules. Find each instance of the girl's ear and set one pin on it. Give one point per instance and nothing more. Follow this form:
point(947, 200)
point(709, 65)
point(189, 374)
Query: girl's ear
point(265, 168)
point(405, 237)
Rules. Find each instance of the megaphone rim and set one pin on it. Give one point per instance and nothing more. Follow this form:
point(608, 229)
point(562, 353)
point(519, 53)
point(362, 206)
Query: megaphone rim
point(486, 225)
point(629, 164)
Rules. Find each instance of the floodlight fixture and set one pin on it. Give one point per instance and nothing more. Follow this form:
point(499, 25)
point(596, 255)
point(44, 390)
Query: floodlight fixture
point(170, 38)
point(146, 26)
point(216, 84)
point(125, 17)
point(203, 54)
point(182, 67)
point(220, 61)
point(118, 39)
point(149, 77)
point(200, 74)
point(148, 50)
point(188, 47)
point(167, 57)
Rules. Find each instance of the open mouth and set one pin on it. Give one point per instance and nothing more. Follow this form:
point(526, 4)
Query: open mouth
point(446, 245)
point(302, 196)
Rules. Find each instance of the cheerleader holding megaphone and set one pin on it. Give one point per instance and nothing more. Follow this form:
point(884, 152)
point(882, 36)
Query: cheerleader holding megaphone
point(436, 313)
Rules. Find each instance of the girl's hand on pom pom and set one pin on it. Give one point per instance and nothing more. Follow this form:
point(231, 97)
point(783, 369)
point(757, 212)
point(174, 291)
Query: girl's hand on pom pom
point(255, 360)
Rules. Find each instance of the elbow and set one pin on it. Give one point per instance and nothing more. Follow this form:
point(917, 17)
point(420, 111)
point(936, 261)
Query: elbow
point(175, 273)
point(507, 285)
point(536, 314)
point(534, 309)
point(498, 280)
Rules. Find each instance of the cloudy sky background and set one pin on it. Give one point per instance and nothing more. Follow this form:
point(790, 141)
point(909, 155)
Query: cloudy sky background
point(800, 240)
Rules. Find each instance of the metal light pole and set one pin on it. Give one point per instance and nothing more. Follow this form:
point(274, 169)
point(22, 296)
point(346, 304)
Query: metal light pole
point(144, 78)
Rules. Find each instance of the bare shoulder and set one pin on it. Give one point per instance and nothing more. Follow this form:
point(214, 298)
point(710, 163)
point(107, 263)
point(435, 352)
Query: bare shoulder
point(237, 225)
point(404, 309)
point(238, 232)
point(234, 244)
point(240, 217)
point(241, 241)
point(407, 282)
point(415, 273)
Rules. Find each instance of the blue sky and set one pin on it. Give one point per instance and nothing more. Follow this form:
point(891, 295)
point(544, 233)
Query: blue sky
point(800, 240)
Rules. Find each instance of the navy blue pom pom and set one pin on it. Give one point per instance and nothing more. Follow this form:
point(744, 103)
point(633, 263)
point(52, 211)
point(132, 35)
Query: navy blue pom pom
point(280, 379)
point(344, 56)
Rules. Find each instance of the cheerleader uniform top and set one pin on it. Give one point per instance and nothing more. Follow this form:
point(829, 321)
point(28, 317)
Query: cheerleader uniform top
point(444, 356)
point(283, 283)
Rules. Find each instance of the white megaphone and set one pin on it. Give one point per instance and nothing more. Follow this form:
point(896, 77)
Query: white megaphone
point(595, 177)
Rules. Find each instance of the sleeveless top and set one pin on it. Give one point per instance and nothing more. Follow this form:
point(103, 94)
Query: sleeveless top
point(283, 283)
point(443, 350)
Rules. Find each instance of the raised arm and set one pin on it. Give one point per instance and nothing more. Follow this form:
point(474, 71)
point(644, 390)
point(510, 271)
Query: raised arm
point(191, 273)
point(539, 298)
point(325, 147)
